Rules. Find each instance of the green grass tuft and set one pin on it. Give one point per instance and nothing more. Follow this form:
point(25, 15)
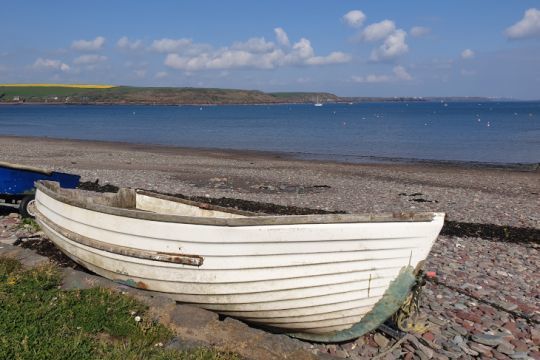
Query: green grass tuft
point(38, 320)
point(30, 224)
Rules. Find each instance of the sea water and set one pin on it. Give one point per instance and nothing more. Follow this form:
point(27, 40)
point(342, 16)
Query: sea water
point(489, 132)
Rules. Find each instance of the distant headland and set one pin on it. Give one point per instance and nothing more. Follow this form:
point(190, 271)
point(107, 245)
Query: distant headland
point(118, 95)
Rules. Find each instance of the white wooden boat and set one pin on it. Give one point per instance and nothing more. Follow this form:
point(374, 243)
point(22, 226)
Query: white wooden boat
point(320, 277)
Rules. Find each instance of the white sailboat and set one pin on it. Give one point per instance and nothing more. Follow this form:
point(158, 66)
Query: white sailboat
point(318, 103)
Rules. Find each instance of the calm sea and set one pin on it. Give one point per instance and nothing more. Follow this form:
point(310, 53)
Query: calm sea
point(492, 132)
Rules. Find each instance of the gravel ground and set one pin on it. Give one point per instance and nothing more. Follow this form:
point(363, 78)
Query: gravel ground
point(485, 299)
point(483, 303)
point(466, 194)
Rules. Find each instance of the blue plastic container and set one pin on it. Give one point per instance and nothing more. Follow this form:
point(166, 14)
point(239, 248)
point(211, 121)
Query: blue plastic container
point(17, 183)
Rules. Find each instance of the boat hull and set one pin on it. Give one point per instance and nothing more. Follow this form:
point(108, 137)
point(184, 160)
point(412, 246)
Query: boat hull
point(312, 279)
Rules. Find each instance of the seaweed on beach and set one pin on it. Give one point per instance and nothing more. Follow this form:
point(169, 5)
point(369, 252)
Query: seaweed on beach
point(238, 204)
point(255, 206)
point(491, 232)
point(450, 228)
point(94, 186)
point(46, 248)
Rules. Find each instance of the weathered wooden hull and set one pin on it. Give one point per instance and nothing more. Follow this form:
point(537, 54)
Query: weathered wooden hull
point(303, 277)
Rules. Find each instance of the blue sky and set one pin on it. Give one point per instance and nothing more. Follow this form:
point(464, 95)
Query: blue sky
point(362, 48)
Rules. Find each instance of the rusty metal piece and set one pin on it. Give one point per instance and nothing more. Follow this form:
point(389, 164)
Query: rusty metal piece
point(141, 285)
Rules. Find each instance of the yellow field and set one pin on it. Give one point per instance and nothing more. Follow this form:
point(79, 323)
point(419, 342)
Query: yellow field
point(80, 86)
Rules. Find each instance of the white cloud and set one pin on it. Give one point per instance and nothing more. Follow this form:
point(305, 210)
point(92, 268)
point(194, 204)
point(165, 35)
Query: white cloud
point(50, 64)
point(378, 31)
point(124, 43)
point(196, 49)
point(89, 45)
point(89, 59)
point(282, 37)
point(418, 31)
point(237, 59)
point(335, 57)
point(467, 54)
point(170, 45)
point(254, 45)
point(527, 27)
point(161, 75)
point(225, 59)
point(401, 73)
point(302, 49)
point(394, 45)
point(255, 53)
point(354, 18)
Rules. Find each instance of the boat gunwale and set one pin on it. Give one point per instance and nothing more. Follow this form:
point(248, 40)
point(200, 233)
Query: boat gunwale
point(50, 188)
point(11, 166)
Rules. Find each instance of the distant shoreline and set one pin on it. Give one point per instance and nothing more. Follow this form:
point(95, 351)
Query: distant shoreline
point(210, 104)
point(132, 95)
point(164, 104)
point(386, 100)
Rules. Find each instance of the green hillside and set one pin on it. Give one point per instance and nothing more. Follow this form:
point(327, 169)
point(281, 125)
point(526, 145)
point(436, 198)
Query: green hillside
point(151, 95)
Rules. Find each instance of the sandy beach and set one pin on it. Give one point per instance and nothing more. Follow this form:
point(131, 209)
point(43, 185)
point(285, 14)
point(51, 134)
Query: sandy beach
point(484, 302)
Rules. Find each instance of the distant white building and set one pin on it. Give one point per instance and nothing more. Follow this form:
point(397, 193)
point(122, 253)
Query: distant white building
point(16, 98)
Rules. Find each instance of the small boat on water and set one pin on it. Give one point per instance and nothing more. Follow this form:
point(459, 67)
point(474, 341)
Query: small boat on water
point(317, 277)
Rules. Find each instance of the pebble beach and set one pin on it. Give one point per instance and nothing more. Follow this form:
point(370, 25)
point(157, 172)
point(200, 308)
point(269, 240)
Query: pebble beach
point(483, 300)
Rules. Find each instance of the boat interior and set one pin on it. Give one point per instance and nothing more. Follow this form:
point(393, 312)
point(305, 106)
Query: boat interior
point(149, 201)
point(148, 204)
